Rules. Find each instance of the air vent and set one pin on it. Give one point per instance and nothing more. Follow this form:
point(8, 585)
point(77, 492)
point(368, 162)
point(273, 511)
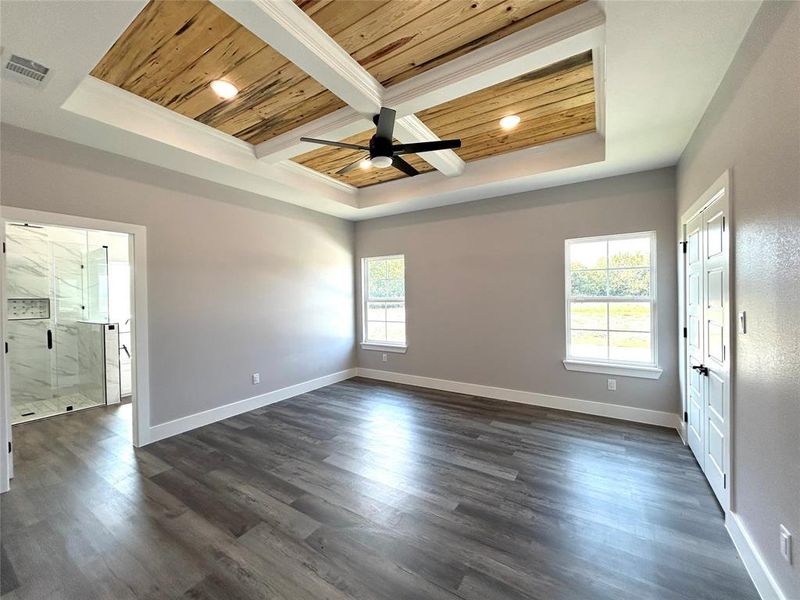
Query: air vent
point(25, 71)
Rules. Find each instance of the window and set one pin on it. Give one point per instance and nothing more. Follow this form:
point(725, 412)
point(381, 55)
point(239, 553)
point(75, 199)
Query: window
point(384, 294)
point(611, 304)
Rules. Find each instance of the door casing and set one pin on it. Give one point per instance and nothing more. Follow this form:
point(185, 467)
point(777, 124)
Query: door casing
point(720, 189)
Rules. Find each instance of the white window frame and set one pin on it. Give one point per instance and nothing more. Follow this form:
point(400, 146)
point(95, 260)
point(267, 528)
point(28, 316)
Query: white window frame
point(380, 345)
point(649, 370)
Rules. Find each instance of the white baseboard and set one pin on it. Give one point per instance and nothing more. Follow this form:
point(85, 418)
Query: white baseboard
point(762, 578)
point(170, 428)
point(602, 409)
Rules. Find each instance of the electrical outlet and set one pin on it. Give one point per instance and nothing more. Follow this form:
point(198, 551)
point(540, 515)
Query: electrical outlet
point(384, 357)
point(612, 385)
point(256, 378)
point(786, 544)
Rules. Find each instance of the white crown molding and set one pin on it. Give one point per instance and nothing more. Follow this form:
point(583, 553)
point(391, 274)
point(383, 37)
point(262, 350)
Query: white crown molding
point(410, 129)
point(599, 67)
point(284, 26)
point(338, 125)
point(562, 36)
point(493, 176)
point(297, 168)
point(174, 141)
point(97, 99)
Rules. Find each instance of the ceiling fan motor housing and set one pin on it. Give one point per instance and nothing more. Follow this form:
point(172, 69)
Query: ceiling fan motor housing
point(380, 147)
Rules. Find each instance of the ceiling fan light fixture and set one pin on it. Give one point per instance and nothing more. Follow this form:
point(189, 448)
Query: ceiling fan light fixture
point(509, 122)
point(381, 162)
point(224, 89)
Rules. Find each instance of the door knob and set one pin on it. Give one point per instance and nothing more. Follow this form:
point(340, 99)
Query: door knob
point(702, 369)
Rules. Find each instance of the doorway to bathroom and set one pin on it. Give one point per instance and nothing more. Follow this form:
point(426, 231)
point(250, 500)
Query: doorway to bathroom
point(74, 322)
point(68, 319)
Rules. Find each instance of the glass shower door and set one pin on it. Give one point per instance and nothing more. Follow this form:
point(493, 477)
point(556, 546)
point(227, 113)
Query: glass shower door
point(69, 258)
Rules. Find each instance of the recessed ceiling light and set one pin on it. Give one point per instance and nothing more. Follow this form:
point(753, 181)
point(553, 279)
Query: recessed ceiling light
point(509, 122)
point(365, 164)
point(381, 162)
point(224, 89)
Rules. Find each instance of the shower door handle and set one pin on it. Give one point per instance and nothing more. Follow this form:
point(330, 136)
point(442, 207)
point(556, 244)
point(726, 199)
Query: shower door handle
point(49, 339)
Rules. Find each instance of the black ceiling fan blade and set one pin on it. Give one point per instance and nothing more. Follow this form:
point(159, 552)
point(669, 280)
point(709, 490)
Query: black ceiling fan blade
point(418, 147)
point(400, 164)
point(350, 167)
point(385, 124)
point(337, 144)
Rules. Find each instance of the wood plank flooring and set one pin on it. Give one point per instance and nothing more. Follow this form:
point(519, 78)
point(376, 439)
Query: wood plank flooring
point(364, 490)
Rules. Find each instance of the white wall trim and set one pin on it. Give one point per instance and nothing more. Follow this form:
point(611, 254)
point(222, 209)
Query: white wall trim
point(766, 585)
point(589, 407)
point(587, 366)
point(206, 417)
point(293, 167)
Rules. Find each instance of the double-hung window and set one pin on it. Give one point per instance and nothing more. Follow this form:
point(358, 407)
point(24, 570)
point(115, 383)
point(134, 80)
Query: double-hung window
point(611, 304)
point(384, 301)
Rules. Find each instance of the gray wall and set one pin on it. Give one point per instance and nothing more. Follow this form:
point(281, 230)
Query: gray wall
point(235, 287)
point(485, 286)
point(752, 127)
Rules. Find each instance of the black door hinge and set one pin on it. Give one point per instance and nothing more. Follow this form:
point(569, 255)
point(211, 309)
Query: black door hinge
point(685, 417)
point(683, 246)
point(6, 347)
point(9, 447)
point(4, 247)
point(685, 332)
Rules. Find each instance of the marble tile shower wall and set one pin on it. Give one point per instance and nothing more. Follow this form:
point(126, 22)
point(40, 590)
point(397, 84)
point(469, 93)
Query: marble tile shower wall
point(46, 263)
point(28, 266)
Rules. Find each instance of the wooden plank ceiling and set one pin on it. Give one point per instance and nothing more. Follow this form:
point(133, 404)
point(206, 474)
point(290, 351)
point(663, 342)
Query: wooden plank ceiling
point(328, 160)
point(397, 39)
point(175, 48)
point(553, 103)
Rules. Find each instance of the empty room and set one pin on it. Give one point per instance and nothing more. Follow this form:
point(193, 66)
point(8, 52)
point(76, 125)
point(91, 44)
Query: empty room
point(383, 299)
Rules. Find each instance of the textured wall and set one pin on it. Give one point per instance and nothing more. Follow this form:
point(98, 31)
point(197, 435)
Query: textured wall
point(752, 127)
point(237, 284)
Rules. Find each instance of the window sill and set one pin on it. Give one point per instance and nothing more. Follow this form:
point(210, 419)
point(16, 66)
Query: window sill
point(645, 372)
point(397, 348)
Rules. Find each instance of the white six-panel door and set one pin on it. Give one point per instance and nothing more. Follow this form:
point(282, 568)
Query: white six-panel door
point(708, 342)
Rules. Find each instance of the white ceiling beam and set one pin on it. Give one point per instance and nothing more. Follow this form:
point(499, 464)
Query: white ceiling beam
point(410, 129)
point(286, 28)
point(562, 36)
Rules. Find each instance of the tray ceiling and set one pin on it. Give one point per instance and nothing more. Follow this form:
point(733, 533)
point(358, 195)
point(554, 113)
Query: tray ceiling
point(553, 103)
point(174, 49)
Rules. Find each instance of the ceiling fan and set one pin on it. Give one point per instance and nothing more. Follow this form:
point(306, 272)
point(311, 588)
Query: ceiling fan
point(382, 152)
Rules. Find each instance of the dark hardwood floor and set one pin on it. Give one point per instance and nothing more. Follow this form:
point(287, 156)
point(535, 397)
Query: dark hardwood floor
point(364, 490)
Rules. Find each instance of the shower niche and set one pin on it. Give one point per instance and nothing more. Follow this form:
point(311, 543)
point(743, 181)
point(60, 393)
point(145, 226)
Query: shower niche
point(58, 330)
